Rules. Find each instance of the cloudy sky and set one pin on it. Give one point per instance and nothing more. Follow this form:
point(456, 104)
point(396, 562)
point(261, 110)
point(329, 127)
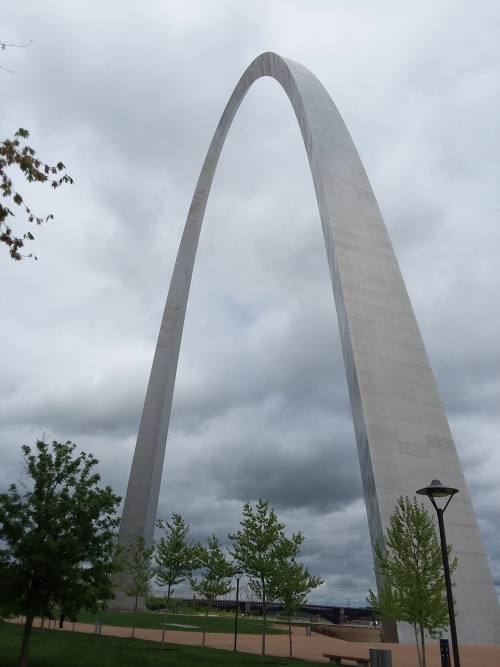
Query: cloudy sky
point(128, 94)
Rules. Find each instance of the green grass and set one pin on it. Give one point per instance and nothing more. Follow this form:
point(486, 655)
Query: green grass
point(73, 649)
point(246, 626)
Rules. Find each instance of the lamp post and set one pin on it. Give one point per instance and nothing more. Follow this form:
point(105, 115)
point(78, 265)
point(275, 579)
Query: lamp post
point(238, 574)
point(438, 490)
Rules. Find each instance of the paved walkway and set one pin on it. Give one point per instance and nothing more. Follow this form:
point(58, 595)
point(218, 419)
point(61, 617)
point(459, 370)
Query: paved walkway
point(307, 648)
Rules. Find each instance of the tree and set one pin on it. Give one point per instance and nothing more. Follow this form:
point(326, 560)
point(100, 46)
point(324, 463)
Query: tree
point(258, 548)
point(35, 171)
point(214, 579)
point(57, 537)
point(174, 559)
point(291, 585)
point(410, 562)
point(138, 570)
point(115, 578)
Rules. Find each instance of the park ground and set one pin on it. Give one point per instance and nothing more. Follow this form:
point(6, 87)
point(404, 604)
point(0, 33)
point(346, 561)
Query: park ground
point(80, 648)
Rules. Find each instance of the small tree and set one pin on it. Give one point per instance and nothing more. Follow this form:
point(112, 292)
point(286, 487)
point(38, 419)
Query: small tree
point(139, 571)
point(114, 579)
point(214, 579)
point(410, 562)
point(291, 585)
point(57, 537)
point(258, 548)
point(174, 559)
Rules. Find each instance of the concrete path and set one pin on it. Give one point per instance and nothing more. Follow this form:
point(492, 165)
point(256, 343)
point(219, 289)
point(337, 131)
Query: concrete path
point(307, 648)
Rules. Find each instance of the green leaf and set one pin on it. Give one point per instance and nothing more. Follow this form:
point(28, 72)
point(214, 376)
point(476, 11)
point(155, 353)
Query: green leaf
point(409, 563)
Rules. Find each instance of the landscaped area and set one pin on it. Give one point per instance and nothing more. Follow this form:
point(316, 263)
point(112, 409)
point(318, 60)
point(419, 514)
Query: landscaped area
point(60, 649)
point(181, 622)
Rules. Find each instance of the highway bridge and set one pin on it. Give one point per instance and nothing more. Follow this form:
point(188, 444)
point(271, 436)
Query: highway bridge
point(336, 615)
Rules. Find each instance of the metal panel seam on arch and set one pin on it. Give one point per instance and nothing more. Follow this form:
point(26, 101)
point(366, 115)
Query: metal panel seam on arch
point(402, 433)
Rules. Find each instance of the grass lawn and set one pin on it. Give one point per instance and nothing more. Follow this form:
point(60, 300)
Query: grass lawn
point(124, 619)
point(72, 649)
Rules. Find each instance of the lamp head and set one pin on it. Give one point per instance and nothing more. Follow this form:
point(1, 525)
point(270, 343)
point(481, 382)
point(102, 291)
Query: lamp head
point(437, 490)
point(238, 573)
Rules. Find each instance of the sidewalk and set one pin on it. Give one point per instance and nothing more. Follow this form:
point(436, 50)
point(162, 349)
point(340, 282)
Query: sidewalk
point(307, 648)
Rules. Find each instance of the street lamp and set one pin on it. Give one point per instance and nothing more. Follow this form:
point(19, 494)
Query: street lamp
point(437, 490)
point(238, 574)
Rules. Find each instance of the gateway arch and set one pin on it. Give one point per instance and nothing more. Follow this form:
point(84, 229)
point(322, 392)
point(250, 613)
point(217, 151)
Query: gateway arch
point(402, 433)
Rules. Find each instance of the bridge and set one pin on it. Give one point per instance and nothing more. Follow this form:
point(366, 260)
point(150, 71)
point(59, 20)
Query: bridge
point(336, 615)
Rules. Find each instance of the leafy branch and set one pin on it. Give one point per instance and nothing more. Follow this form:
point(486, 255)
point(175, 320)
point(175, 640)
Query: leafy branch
point(35, 171)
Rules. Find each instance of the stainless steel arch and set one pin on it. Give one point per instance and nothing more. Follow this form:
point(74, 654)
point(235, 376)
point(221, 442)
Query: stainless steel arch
point(402, 433)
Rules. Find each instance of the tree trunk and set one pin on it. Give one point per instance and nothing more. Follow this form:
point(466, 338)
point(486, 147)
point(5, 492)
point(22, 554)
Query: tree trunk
point(418, 647)
point(23, 658)
point(100, 624)
point(422, 641)
point(290, 632)
point(165, 620)
point(135, 616)
point(205, 626)
point(264, 614)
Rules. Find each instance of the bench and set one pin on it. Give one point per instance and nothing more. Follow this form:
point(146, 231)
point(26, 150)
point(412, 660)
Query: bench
point(336, 659)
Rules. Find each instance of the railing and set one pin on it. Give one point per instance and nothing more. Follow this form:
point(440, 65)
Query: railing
point(345, 633)
point(321, 630)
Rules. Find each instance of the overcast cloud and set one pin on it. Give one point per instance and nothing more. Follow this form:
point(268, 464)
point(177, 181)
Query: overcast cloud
point(128, 94)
